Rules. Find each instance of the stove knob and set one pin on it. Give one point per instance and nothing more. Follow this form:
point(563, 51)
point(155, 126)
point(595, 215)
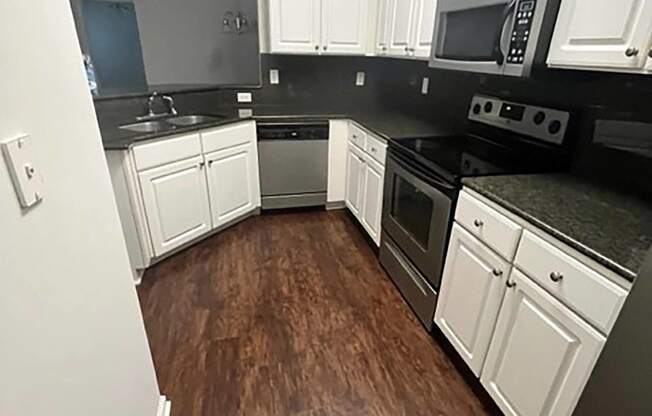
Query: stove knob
point(488, 107)
point(554, 127)
point(477, 108)
point(539, 118)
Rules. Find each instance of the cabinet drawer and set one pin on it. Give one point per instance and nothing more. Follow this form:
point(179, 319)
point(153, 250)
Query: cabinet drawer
point(584, 290)
point(228, 136)
point(490, 226)
point(357, 136)
point(376, 149)
point(165, 151)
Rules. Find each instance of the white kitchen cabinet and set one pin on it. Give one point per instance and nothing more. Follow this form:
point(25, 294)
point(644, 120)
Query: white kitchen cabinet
point(295, 26)
point(232, 177)
point(473, 285)
point(411, 27)
point(175, 198)
point(372, 197)
point(318, 26)
point(383, 27)
point(401, 15)
point(541, 355)
point(354, 179)
point(603, 35)
point(344, 26)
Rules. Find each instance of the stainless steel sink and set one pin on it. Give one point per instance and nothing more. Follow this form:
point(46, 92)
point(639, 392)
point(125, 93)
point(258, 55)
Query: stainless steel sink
point(191, 120)
point(146, 126)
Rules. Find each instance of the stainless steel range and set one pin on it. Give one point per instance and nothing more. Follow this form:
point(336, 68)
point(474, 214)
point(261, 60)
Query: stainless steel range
point(423, 180)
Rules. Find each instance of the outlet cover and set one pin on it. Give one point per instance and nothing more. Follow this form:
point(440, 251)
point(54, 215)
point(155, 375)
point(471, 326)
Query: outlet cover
point(273, 76)
point(244, 97)
point(425, 85)
point(245, 112)
point(359, 79)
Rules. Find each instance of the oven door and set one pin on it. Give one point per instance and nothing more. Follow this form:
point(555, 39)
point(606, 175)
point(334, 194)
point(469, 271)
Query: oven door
point(417, 211)
point(472, 35)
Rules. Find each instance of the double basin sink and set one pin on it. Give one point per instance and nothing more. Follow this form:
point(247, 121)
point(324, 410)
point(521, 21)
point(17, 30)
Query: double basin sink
point(171, 123)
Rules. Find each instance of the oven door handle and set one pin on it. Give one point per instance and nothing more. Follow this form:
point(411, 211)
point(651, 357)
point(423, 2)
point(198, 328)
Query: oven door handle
point(428, 179)
point(498, 48)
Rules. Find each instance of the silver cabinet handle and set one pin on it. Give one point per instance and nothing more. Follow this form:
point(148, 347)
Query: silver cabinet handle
point(497, 272)
point(631, 52)
point(478, 223)
point(556, 277)
point(510, 284)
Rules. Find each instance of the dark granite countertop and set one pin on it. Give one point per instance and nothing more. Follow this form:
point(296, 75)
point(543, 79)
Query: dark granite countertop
point(385, 123)
point(611, 227)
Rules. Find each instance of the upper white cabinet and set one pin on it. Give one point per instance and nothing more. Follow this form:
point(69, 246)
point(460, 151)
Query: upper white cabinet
point(383, 27)
point(318, 26)
point(472, 289)
point(175, 198)
point(542, 353)
point(411, 25)
point(295, 26)
point(344, 26)
point(603, 35)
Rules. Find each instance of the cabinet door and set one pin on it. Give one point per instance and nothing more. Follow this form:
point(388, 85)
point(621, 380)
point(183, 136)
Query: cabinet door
point(295, 26)
point(372, 198)
point(401, 31)
point(231, 183)
point(598, 33)
point(383, 26)
point(423, 28)
point(344, 26)
point(176, 203)
point(473, 285)
point(354, 179)
point(541, 354)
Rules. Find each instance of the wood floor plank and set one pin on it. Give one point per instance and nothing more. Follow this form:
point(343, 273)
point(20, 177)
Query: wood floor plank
point(292, 315)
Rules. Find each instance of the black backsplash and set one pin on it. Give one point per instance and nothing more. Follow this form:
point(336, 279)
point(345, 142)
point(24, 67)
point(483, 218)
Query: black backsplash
point(327, 84)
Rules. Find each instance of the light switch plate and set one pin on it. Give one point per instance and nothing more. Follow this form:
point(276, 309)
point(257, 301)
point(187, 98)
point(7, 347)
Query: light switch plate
point(425, 85)
point(273, 76)
point(245, 112)
point(359, 79)
point(28, 182)
point(244, 97)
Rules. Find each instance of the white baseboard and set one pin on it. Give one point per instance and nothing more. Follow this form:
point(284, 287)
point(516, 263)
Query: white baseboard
point(138, 277)
point(164, 407)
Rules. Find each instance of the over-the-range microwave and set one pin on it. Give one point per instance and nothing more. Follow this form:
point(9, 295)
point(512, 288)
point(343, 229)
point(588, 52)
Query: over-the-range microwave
point(505, 37)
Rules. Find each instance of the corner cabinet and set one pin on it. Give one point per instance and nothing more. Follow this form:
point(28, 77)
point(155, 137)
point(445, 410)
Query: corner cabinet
point(319, 26)
point(603, 35)
point(365, 177)
point(174, 190)
point(527, 314)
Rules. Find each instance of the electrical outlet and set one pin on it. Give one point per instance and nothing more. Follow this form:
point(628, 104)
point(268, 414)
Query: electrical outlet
point(273, 76)
point(425, 85)
point(245, 112)
point(359, 79)
point(244, 97)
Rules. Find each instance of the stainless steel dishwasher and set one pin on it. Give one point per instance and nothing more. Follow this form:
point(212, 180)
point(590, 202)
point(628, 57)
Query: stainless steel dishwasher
point(293, 159)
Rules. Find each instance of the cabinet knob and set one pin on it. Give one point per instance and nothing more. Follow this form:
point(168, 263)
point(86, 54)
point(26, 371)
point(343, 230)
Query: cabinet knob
point(556, 277)
point(201, 165)
point(631, 52)
point(325, 48)
point(649, 53)
point(316, 47)
point(510, 284)
point(497, 272)
point(385, 48)
point(478, 223)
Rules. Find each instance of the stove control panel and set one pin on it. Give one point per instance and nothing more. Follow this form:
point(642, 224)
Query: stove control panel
point(524, 15)
point(542, 123)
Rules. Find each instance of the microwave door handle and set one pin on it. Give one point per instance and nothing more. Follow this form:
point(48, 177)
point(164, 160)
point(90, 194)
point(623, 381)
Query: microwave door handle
point(498, 48)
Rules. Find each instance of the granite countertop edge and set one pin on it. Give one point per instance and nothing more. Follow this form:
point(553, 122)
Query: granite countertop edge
point(582, 248)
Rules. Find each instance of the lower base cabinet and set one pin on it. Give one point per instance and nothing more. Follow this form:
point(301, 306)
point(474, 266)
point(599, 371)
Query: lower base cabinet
point(473, 285)
point(175, 198)
point(541, 355)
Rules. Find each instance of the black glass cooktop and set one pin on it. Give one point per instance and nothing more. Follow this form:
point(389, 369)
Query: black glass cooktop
point(455, 157)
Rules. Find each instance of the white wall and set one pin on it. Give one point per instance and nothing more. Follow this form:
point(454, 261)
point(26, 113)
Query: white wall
point(72, 340)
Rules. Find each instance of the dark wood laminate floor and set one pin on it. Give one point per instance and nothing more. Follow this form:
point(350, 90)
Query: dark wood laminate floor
point(291, 314)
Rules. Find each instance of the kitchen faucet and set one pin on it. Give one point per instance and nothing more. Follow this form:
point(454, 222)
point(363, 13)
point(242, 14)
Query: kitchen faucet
point(172, 111)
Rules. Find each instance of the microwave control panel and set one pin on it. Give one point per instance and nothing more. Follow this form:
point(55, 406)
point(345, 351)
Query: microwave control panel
point(524, 15)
